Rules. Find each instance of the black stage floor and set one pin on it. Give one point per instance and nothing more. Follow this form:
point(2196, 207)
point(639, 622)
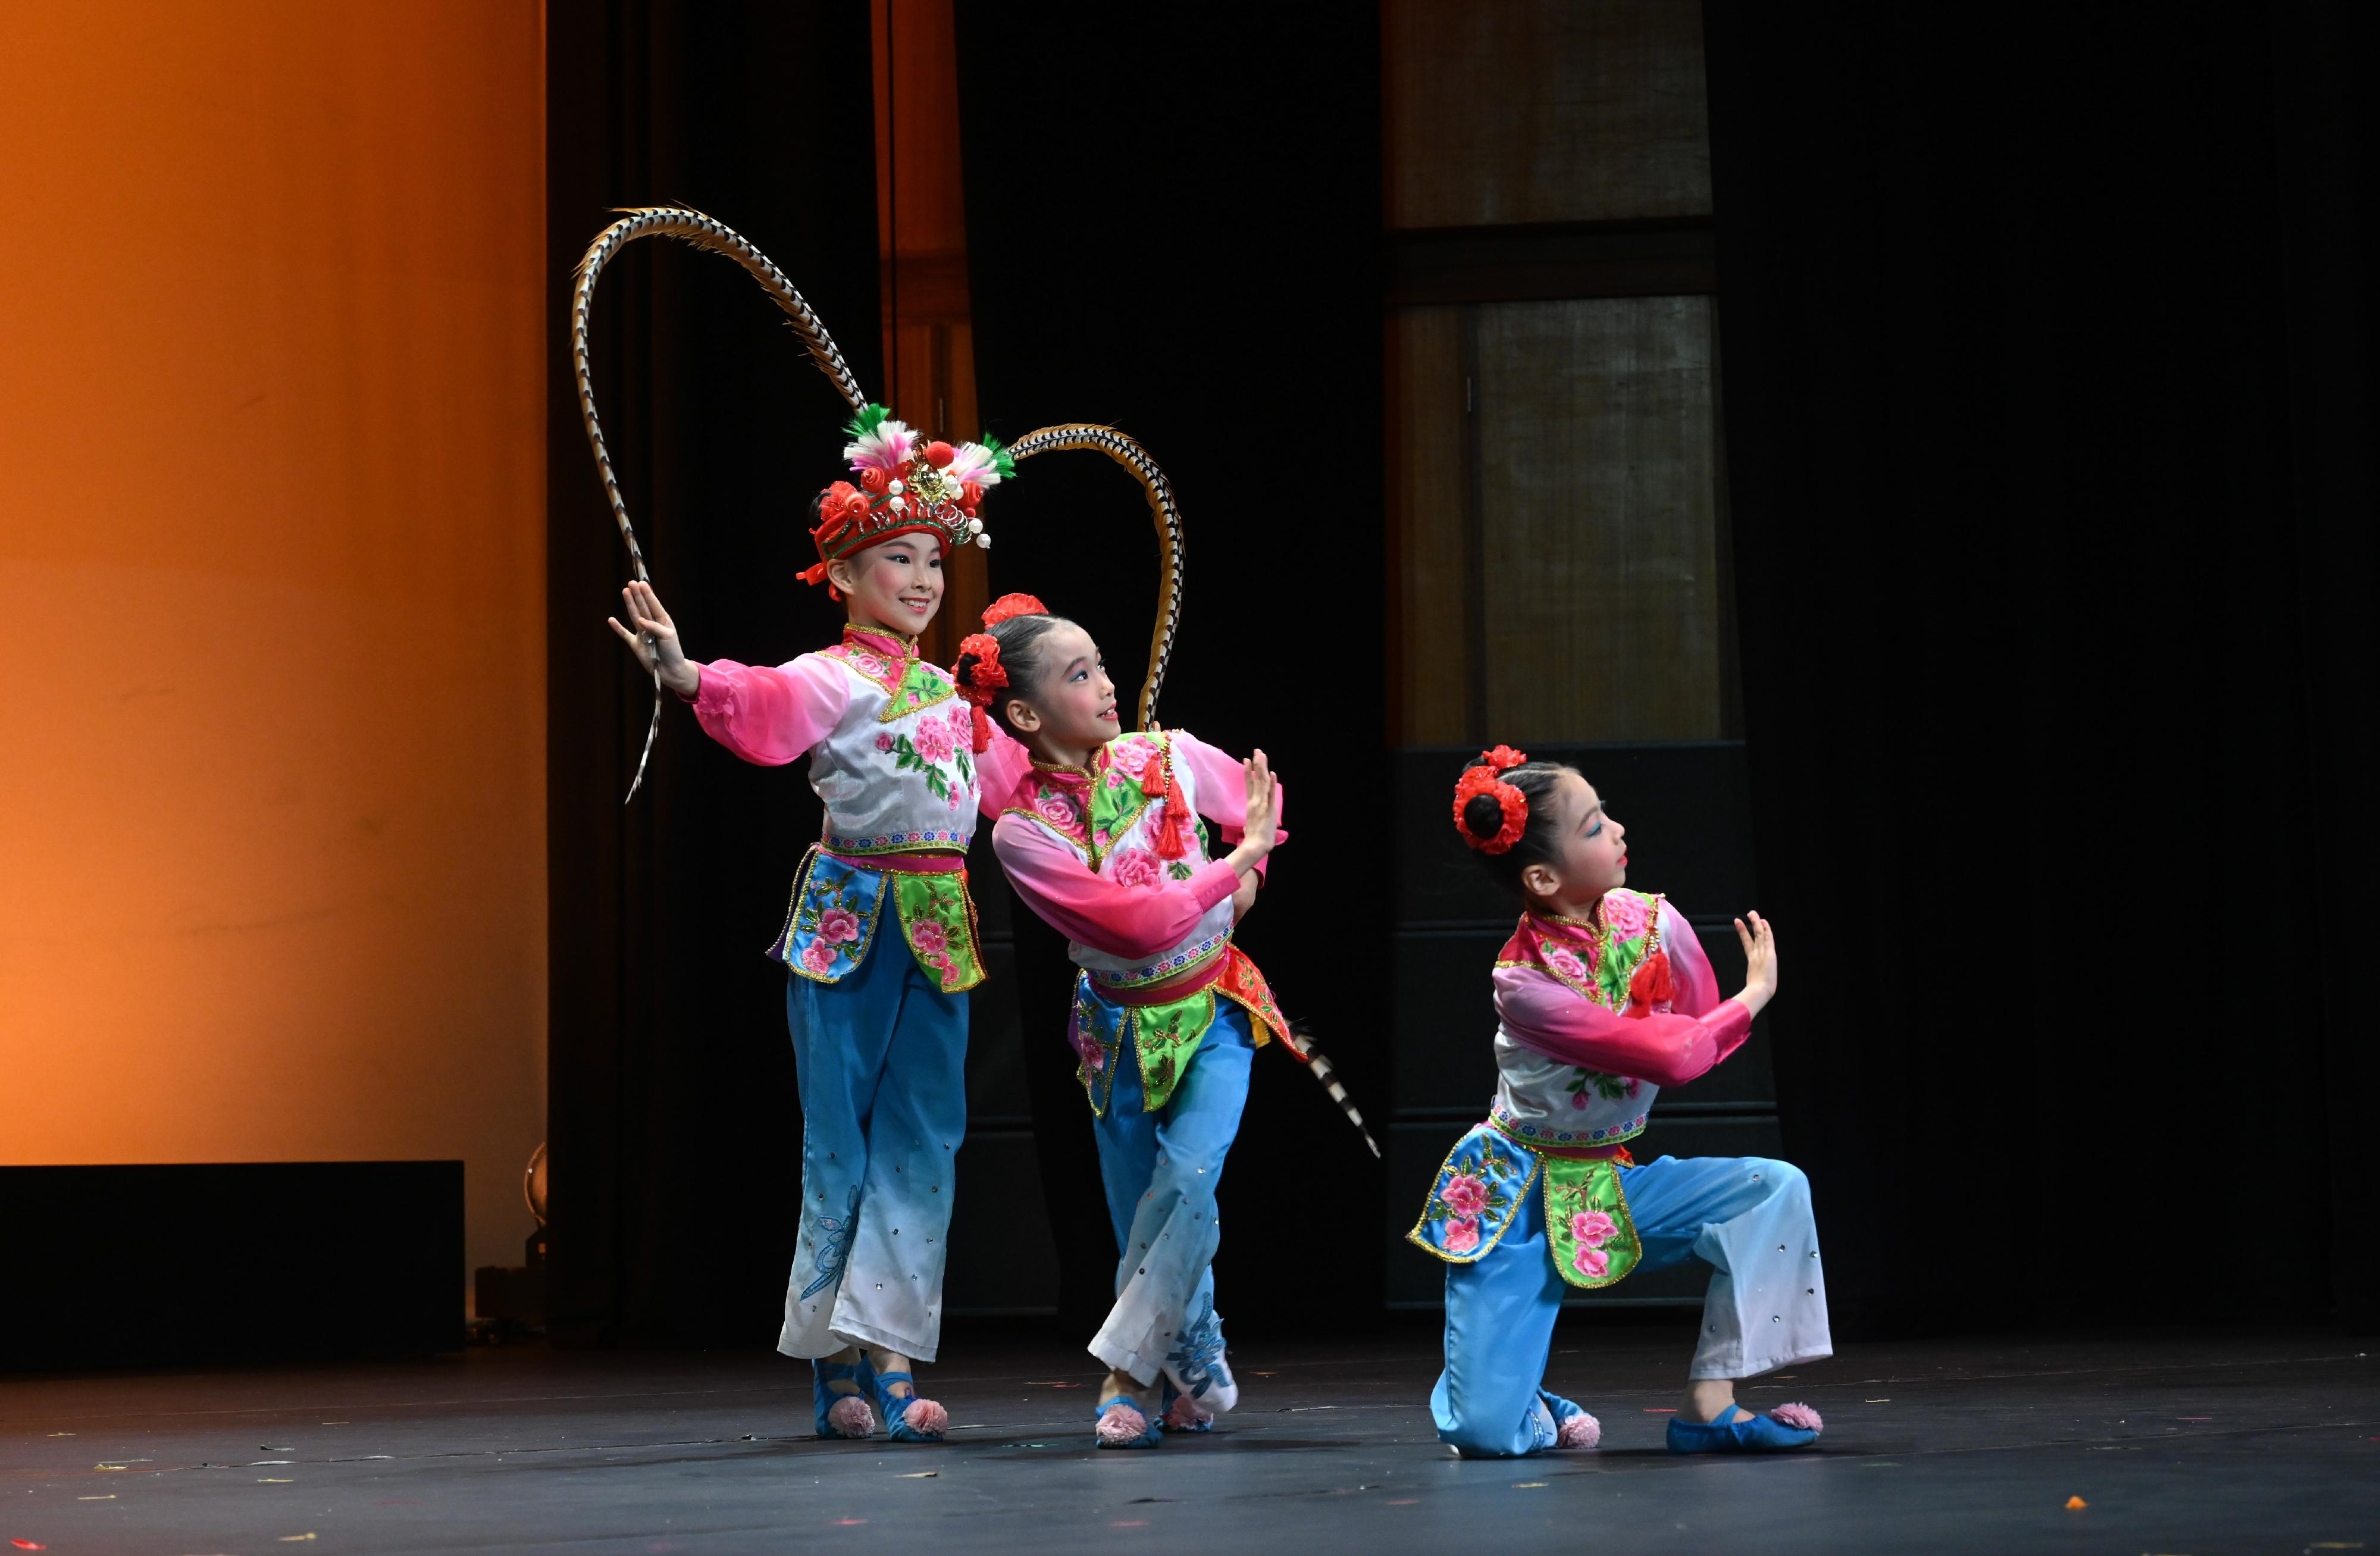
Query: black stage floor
point(2182, 1445)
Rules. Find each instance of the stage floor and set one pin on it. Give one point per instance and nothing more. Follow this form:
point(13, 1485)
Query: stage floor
point(2177, 1443)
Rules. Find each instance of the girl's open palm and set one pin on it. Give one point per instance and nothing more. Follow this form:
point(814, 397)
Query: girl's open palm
point(1759, 956)
point(653, 640)
point(1262, 825)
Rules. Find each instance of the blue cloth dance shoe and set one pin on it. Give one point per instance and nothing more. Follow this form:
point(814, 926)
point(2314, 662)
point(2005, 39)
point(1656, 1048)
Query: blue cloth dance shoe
point(840, 1414)
point(1781, 1430)
point(1573, 1427)
point(906, 1417)
point(1122, 1422)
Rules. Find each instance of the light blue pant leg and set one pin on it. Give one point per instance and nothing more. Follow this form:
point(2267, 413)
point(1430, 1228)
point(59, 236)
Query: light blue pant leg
point(1161, 1170)
point(882, 1060)
point(1749, 1219)
point(1499, 1329)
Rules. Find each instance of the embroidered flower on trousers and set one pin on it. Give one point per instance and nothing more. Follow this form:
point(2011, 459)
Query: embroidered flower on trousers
point(838, 926)
point(1464, 1195)
point(1593, 1228)
point(1461, 1236)
point(1590, 1262)
point(929, 937)
point(818, 956)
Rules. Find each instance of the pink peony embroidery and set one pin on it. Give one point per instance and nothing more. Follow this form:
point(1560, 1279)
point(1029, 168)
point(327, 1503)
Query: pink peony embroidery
point(1591, 1262)
point(1593, 1228)
point(1564, 964)
point(928, 937)
point(1578, 1099)
point(838, 926)
point(1464, 1195)
point(883, 742)
point(1137, 867)
point(1623, 915)
point(1461, 1236)
point(1128, 756)
point(818, 956)
point(869, 666)
point(938, 961)
point(933, 741)
point(1057, 809)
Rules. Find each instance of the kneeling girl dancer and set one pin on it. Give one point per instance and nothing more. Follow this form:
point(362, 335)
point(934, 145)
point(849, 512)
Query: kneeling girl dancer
point(1602, 996)
point(1102, 837)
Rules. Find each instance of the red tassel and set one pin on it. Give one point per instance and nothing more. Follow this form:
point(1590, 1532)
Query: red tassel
point(1170, 843)
point(1154, 779)
point(982, 731)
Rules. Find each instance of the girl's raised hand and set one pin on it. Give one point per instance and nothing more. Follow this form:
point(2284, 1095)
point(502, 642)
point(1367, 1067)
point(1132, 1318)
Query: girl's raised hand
point(653, 640)
point(1759, 961)
point(1261, 826)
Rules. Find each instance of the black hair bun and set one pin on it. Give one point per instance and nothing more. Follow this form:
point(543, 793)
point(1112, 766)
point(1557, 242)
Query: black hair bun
point(1483, 816)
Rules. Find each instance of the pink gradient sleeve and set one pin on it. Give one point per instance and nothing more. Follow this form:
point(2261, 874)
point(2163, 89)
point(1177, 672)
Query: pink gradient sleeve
point(771, 716)
point(1223, 791)
point(1546, 1016)
point(999, 768)
point(1137, 922)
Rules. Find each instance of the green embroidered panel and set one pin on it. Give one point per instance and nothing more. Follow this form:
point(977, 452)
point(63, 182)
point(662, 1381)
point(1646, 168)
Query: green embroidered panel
point(922, 686)
point(940, 924)
point(1167, 1038)
point(1116, 799)
point(1588, 1231)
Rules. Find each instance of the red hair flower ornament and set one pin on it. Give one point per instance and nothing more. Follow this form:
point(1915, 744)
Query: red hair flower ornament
point(1482, 780)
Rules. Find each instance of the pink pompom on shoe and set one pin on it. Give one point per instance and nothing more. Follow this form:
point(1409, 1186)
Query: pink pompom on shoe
point(1186, 1415)
point(1801, 1417)
point(1124, 1424)
point(849, 1417)
point(1580, 1430)
point(926, 1417)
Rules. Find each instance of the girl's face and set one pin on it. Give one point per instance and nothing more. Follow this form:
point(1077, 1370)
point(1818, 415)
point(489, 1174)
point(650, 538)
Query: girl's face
point(1074, 708)
point(1590, 851)
point(897, 584)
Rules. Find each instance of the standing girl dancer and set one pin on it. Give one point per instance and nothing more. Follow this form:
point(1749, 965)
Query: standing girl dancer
point(1102, 837)
point(1603, 995)
point(879, 940)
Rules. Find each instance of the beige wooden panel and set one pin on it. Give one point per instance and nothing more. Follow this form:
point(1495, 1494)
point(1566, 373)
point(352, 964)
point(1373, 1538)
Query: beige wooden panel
point(1427, 652)
point(1599, 471)
point(1543, 110)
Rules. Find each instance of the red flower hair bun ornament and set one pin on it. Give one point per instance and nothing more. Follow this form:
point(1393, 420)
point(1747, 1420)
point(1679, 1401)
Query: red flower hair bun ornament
point(977, 674)
point(1009, 605)
point(1478, 781)
point(1502, 759)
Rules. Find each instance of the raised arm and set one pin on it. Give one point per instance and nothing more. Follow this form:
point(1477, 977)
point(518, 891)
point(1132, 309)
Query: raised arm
point(1542, 1014)
point(1136, 922)
point(771, 714)
point(1216, 777)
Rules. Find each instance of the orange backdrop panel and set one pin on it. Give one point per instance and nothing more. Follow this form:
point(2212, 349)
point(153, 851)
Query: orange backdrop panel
point(272, 495)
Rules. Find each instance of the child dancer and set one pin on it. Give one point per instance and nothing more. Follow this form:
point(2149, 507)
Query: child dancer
point(1102, 838)
point(879, 940)
point(1603, 995)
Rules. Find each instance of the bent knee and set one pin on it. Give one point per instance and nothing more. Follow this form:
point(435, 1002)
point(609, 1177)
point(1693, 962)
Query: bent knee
point(1777, 1179)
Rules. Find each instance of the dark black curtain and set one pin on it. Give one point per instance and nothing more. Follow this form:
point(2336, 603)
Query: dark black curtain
point(2049, 398)
point(675, 1125)
point(1173, 226)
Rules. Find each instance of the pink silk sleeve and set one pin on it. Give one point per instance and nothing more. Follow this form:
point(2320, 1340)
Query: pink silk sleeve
point(1136, 922)
point(1697, 986)
point(999, 768)
point(1223, 791)
point(1546, 1016)
point(772, 715)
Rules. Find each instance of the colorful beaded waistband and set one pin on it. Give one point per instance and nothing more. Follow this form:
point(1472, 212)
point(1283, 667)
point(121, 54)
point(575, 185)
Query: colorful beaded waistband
point(1582, 1143)
point(931, 840)
point(1168, 970)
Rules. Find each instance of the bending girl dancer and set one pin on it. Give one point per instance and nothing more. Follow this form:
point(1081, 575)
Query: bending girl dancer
point(1102, 837)
point(878, 1029)
point(1602, 996)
